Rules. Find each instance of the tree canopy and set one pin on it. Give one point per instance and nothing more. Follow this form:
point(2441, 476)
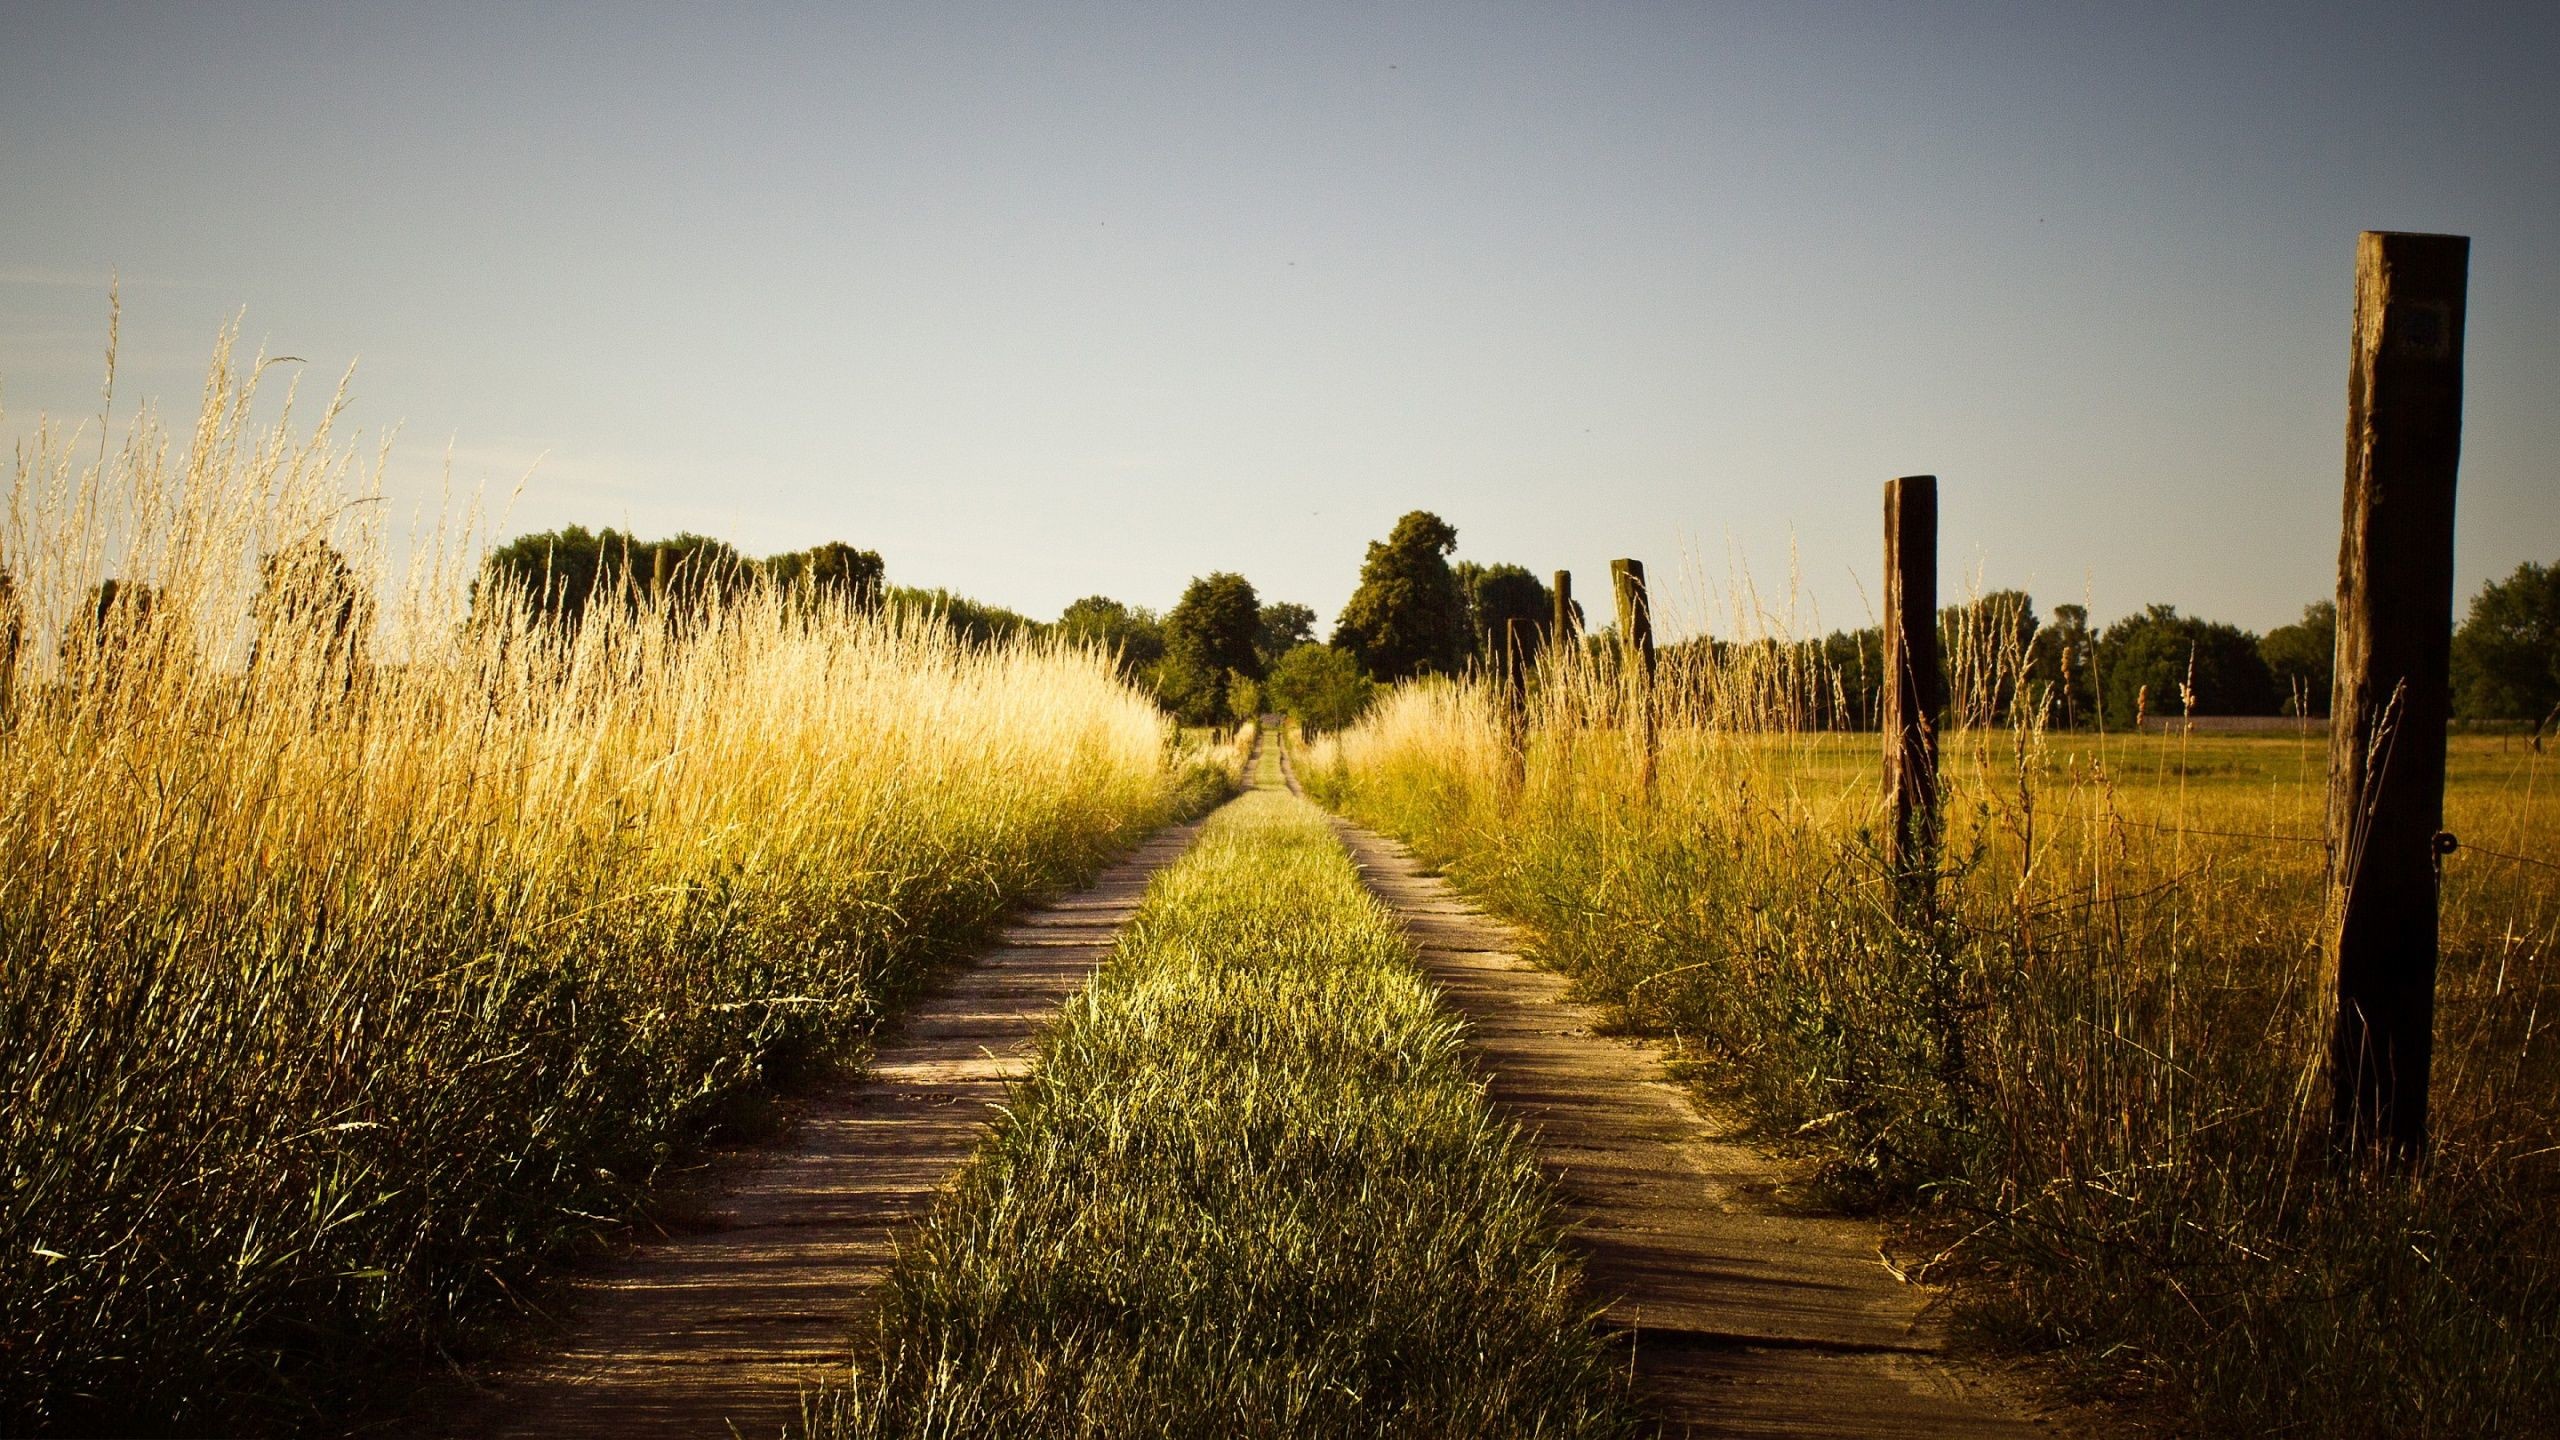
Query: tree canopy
point(2506, 655)
point(1409, 616)
point(1133, 633)
point(1285, 626)
point(1508, 610)
point(2303, 658)
point(1320, 687)
point(1209, 637)
point(833, 573)
point(561, 573)
point(2148, 659)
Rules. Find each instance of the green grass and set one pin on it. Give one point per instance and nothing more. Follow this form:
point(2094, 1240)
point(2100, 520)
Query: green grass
point(1252, 1190)
point(2089, 1093)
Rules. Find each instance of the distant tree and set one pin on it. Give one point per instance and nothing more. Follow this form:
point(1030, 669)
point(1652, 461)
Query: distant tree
point(2061, 669)
point(688, 573)
point(2148, 658)
point(1408, 617)
point(834, 573)
point(556, 572)
point(2303, 658)
point(1506, 607)
point(1209, 634)
point(564, 573)
point(1321, 687)
point(1850, 696)
point(2506, 656)
point(1285, 626)
point(1983, 649)
point(107, 637)
point(975, 621)
point(310, 610)
point(1244, 696)
point(1099, 622)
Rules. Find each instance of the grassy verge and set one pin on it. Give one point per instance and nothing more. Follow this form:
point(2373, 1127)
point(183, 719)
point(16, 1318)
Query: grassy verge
point(1251, 1190)
point(340, 989)
point(2090, 1088)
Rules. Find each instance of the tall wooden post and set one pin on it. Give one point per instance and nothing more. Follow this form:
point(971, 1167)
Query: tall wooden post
point(1516, 658)
point(1913, 689)
point(2387, 712)
point(1563, 630)
point(1635, 655)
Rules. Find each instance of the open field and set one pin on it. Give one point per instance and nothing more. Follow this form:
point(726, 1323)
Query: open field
point(349, 974)
point(1252, 1189)
point(2088, 1092)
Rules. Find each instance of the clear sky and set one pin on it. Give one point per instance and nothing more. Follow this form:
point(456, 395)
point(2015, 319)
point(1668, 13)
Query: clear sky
point(1045, 301)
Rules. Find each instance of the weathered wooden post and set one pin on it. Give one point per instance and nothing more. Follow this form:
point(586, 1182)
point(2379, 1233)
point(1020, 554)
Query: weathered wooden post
point(1913, 688)
point(1563, 630)
point(2387, 712)
point(1635, 655)
point(1517, 655)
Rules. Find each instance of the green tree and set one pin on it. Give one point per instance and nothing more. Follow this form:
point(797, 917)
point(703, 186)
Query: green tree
point(1320, 687)
point(2146, 660)
point(1984, 646)
point(2303, 658)
point(556, 572)
point(2506, 656)
point(1507, 609)
point(1408, 617)
point(834, 573)
point(1853, 662)
point(975, 621)
point(563, 573)
point(1286, 625)
point(1209, 635)
point(1132, 633)
point(2060, 668)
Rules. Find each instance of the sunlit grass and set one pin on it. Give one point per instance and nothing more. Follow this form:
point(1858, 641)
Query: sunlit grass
point(340, 989)
point(2092, 1083)
point(1252, 1190)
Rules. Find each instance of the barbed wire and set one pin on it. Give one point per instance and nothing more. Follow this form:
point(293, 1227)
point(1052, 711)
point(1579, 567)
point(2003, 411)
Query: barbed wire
point(2223, 834)
point(2457, 847)
point(2467, 848)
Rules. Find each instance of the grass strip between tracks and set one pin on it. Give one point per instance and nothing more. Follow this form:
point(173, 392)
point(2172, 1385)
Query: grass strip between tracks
point(1252, 1189)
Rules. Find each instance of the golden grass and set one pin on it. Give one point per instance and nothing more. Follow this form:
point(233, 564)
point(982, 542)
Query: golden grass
point(341, 986)
point(2092, 1082)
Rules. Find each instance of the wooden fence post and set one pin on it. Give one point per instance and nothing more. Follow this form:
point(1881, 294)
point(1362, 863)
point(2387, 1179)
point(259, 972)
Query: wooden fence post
point(1913, 688)
point(1563, 630)
point(1635, 654)
point(2387, 712)
point(1515, 702)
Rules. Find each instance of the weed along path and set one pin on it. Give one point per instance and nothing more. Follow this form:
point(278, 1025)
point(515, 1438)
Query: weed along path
point(1746, 1319)
point(718, 1329)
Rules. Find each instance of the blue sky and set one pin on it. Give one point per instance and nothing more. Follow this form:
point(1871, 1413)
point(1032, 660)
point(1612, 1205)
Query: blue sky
point(1045, 301)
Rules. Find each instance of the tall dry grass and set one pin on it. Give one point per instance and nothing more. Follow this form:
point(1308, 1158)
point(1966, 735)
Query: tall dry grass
point(363, 945)
point(2090, 1086)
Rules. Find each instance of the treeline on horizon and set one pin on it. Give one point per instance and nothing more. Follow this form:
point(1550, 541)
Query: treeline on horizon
point(1223, 654)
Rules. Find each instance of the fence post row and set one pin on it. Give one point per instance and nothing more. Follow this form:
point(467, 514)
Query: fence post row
point(1913, 688)
point(1635, 653)
point(2387, 712)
